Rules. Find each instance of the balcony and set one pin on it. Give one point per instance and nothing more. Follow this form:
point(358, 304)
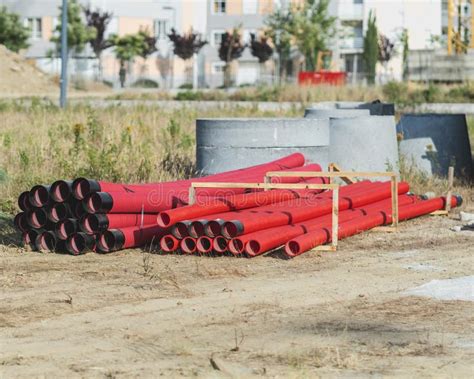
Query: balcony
point(350, 11)
point(351, 43)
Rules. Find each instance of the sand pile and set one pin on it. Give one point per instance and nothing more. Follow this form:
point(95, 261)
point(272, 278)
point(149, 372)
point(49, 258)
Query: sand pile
point(20, 77)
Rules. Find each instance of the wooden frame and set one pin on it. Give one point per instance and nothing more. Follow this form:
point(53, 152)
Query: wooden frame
point(347, 176)
point(268, 185)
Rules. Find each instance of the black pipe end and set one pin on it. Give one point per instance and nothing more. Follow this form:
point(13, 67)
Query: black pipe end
point(94, 223)
point(46, 241)
point(111, 240)
point(98, 202)
point(39, 195)
point(81, 187)
point(459, 200)
point(24, 201)
point(239, 228)
point(80, 243)
point(61, 190)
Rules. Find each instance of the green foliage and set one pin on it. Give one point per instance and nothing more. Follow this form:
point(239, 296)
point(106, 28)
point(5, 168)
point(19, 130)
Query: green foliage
point(371, 48)
point(404, 39)
point(128, 46)
point(78, 33)
point(12, 33)
point(145, 83)
point(278, 29)
point(189, 96)
point(311, 26)
point(148, 46)
point(176, 147)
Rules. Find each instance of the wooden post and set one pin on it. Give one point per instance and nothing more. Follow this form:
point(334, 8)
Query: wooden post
point(335, 217)
point(192, 195)
point(394, 201)
point(450, 188)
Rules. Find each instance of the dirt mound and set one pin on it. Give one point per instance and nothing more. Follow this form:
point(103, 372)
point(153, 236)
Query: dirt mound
point(20, 77)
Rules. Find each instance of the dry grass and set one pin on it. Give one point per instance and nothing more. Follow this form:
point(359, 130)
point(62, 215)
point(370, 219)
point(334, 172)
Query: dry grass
point(41, 143)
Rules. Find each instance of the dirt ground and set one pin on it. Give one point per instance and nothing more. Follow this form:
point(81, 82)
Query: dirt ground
point(342, 314)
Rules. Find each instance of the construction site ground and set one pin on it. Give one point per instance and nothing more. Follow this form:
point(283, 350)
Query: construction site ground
point(332, 314)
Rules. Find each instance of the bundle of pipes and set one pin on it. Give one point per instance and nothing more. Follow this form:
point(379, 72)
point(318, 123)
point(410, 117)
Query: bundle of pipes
point(88, 215)
point(299, 224)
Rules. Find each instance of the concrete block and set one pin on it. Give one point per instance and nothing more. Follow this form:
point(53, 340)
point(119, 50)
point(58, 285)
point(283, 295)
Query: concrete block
point(421, 153)
point(450, 138)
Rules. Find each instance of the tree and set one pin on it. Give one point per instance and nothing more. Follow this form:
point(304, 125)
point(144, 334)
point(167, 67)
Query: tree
point(12, 33)
point(371, 48)
point(187, 45)
point(126, 49)
point(386, 49)
point(279, 31)
point(311, 26)
point(261, 49)
point(78, 33)
point(98, 20)
point(148, 46)
point(231, 48)
point(404, 39)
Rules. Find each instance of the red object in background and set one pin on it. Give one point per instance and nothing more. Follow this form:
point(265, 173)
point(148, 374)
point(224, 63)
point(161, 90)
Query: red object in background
point(335, 78)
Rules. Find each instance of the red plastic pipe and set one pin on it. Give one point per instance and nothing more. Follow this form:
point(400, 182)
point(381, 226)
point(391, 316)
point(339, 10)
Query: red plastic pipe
point(220, 244)
point(81, 187)
point(169, 243)
point(21, 223)
point(262, 241)
point(204, 244)
point(98, 223)
point(133, 236)
point(59, 212)
point(215, 222)
point(188, 245)
point(323, 235)
point(292, 214)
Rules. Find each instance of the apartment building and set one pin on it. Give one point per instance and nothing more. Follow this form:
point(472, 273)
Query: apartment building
point(422, 18)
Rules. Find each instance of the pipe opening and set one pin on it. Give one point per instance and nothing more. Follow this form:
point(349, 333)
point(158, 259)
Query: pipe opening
point(232, 229)
point(76, 244)
point(107, 241)
point(213, 228)
point(46, 241)
point(188, 245)
point(39, 196)
point(58, 212)
point(60, 191)
point(168, 243)
point(204, 244)
point(253, 247)
point(37, 218)
point(180, 230)
point(292, 248)
point(163, 219)
point(20, 222)
point(23, 201)
point(220, 244)
point(67, 228)
point(236, 246)
point(197, 228)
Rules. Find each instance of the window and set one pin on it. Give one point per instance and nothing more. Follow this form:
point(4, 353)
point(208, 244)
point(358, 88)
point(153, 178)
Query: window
point(216, 37)
point(35, 26)
point(218, 67)
point(161, 29)
point(219, 6)
point(249, 6)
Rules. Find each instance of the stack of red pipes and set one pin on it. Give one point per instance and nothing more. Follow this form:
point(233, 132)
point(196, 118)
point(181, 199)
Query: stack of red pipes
point(87, 215)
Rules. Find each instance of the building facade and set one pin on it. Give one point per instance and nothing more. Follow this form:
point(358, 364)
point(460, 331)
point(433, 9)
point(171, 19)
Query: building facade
point(423, 19)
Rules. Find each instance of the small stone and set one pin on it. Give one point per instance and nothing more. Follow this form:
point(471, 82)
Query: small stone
point(456, 228)
point(466, 217)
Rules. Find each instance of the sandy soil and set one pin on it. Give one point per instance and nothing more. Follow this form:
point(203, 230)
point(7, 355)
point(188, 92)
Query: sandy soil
point(342, 314)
